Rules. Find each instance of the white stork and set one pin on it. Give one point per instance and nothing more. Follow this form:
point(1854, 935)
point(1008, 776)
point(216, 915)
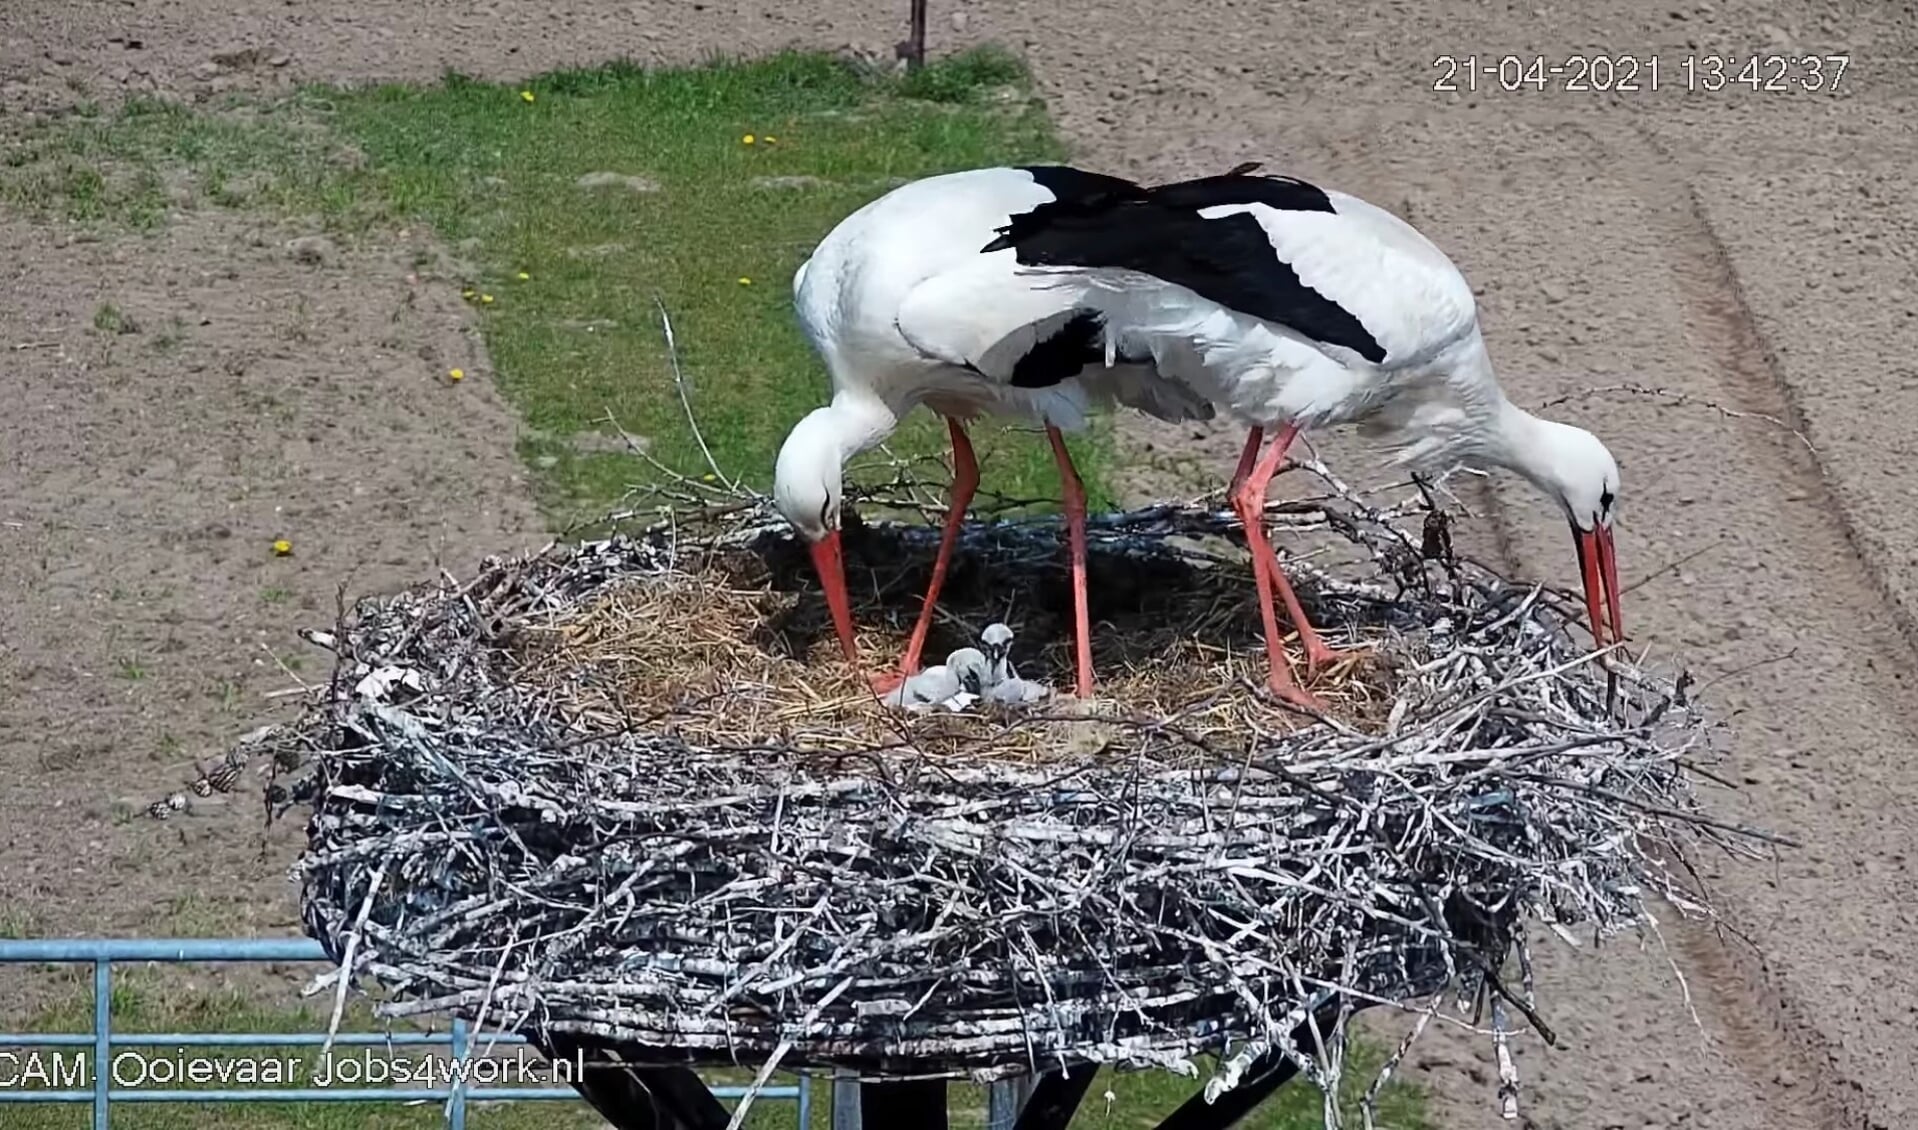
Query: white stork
point(905, 309)
point(1302, 308)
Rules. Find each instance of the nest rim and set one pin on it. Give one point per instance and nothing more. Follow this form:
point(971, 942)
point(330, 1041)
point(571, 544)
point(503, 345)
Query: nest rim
point(1461, 949)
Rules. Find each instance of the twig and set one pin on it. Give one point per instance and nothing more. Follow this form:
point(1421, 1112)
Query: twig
point(685, 401)
point(346, 958)
point(1671, 567)
point(1679, 398)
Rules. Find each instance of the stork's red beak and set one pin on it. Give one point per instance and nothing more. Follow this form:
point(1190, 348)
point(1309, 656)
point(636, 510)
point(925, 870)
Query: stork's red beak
point(832, 577)
point(1598, 571)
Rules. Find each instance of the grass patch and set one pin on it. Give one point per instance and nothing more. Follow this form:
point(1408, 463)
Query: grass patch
point(109, 319)
point(573, 201)
point(135, 165)
point(176, 1000)
point(616, 185)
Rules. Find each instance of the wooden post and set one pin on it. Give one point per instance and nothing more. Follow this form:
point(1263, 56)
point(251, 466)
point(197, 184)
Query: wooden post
point(916, 37)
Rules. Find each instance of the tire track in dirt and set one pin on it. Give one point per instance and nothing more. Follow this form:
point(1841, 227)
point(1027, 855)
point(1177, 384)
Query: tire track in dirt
point(1768, 1030)
point(1714, 294)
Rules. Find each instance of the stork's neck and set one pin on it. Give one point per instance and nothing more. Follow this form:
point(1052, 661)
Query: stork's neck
point(1557, 458)
point(1509, 436)
point(1520, 441)
point(860, 421)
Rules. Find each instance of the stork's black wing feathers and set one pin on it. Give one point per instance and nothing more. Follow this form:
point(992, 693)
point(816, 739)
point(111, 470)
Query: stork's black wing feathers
point(1067, 183)
point(1060, 357)
point(1159, 232)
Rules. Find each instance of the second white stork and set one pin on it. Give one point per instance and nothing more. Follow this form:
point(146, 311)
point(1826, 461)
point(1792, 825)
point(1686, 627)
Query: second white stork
point(905, 309)
point(1306, 307)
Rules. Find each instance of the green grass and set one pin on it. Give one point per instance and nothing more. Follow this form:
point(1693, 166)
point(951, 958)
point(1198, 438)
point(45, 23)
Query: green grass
point(582, 337)
point(496, 176)
point(171, 1001)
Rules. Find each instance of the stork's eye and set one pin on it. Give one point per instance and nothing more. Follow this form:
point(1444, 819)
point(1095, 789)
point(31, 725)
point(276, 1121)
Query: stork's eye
point(1605, 500)
point(825, 514)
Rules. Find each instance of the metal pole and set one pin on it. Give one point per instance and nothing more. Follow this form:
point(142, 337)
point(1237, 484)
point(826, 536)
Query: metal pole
point(1004, 1101)
point(845, 1102)
point(456, 1103)
point(102, 1039)
point(916, 37)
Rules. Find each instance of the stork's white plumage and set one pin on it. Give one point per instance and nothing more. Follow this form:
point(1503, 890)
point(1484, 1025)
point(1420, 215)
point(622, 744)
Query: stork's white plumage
point(1289, 307)
point(956, 683)
point(905, 309)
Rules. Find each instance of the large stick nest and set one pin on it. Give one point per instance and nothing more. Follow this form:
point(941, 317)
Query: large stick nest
point(627, 787)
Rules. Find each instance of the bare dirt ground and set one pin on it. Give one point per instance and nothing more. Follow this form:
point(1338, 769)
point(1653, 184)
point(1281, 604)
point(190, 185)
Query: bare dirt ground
point(1750, 248)
point(174, 408)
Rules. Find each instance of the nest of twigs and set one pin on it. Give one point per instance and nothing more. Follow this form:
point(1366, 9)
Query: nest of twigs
point(627, 788)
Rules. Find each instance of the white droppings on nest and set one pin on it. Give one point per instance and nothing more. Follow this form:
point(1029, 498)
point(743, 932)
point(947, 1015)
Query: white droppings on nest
point(378, 683)
point(981, 895)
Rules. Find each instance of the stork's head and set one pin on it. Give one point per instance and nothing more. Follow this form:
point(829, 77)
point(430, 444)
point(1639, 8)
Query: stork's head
point(1572, 466)
point(996, 643)
point(1583, 475)
point(968, 665)
point(807, 479)
point(808, 474)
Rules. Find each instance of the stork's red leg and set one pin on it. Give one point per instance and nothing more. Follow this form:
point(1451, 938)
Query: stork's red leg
point(1317, 655)
point(1248, 500)
point(1248, 459)
point(1074, 494)
point(965, 481)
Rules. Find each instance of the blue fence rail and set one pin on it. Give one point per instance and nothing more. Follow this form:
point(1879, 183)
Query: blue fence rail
point(103, 953)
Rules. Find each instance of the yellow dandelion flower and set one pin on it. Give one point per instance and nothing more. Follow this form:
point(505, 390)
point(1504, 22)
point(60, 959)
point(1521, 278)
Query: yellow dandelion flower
point(771, 140)
point(710, 477)
point(486, 299)
point(523, 276)
point(525, 96)
point(468, 293)
point(457, 374)
point(743, 281)
point(282, 548)
point(747, 140)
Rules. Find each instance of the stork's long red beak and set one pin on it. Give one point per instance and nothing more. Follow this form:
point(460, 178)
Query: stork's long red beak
point(832, 577)
point(1598, 571)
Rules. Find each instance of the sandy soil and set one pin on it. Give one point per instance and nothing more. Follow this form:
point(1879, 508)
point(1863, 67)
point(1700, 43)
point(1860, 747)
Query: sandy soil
point(1748, 248)
point(239, 396)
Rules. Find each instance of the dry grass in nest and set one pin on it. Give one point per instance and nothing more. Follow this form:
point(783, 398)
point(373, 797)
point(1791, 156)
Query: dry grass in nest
point(729, 653)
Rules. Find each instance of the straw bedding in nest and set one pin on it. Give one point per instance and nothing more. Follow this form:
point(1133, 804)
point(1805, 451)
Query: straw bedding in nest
point(626, 787)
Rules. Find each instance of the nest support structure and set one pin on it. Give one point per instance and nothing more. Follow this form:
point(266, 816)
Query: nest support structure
point(536, 802)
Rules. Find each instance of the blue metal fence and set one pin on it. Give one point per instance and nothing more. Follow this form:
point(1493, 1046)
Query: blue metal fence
point(102, 1091)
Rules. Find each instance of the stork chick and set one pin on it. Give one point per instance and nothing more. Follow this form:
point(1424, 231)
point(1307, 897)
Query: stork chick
point(961, 675)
